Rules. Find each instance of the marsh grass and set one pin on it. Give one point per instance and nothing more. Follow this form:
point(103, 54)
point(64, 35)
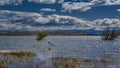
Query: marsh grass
point(69, 62)
point(65, 62)
point(41, 35)
point(109, 34)
point(4, 66)
point(10, 57)
point(18, 54)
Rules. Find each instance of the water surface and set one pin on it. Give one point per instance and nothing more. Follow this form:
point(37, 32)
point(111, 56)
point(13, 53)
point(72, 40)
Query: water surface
point(83, 51)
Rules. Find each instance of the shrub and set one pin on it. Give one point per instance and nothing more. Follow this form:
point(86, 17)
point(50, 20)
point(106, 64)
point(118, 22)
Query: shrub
point(109, 34)
point(40, 36)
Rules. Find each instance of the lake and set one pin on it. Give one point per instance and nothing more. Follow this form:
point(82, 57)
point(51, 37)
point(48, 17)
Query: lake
point(64, 51)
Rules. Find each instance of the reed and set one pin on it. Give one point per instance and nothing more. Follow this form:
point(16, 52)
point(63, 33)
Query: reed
point(8, 58)
point(109, 34)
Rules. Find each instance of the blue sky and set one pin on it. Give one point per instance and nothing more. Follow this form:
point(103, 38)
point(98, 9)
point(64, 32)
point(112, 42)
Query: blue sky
point(55, 15)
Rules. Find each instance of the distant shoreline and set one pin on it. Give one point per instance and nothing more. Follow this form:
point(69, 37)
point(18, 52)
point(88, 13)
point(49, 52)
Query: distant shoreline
point(49, 33)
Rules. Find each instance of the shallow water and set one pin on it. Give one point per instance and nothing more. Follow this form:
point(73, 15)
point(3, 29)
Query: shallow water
point(97, 53)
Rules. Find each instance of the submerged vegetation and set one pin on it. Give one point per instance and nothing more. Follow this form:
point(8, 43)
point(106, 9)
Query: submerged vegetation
point(109, 34)
point(41, 35)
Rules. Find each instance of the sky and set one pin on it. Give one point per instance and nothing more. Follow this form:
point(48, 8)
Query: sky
point(59, 15)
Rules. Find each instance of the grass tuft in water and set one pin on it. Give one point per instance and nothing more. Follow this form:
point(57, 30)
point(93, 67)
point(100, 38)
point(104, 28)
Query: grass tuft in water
point(41, 35)
point(109, 34)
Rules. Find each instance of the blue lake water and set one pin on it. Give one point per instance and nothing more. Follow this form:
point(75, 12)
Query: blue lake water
point(79, 47)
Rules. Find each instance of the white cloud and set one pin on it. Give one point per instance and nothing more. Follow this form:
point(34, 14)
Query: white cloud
point(100, 24)
point(43, 1)
point(67, 6)
point(47, 1)
point(118, 10)
point(106, 2)
point(60, 1)
point(38, 22)
point(96, 2)
point(18, 2)
point(84, 6)
point(75, 6)
point(12, 2)
point(48, 9)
